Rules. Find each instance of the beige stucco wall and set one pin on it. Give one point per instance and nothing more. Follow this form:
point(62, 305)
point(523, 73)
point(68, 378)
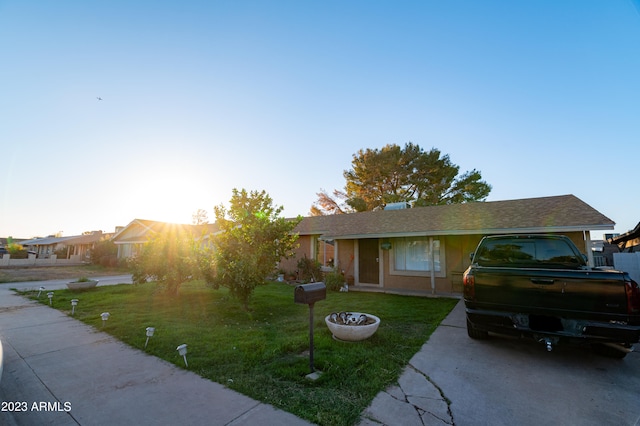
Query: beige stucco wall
point(456, 260)
point(457, 249)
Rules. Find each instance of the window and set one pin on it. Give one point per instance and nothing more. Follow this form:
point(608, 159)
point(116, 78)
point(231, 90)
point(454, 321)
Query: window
point(413, 256)
point(325, 252)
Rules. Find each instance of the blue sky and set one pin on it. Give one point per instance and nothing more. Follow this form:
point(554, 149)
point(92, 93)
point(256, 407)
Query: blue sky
point(200, 97)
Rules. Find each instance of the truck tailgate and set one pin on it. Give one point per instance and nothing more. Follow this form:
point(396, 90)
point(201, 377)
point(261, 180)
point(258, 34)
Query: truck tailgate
point(594, 295)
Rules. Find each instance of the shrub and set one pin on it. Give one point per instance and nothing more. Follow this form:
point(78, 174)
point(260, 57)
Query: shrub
point(168, 258)
point(104, 252)
point(334, 279)
point(309, 269)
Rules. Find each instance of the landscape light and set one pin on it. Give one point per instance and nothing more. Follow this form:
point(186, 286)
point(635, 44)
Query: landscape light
point(40, 290)
point(105, 317)
point(74, 303)
point(182, 350)
point(150, 331)
point(50, 296)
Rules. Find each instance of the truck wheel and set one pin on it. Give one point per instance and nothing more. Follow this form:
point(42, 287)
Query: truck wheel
point(476, 334)
point(608, 351)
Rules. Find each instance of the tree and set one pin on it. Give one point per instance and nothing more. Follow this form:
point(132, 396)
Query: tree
point(200, 217)
point(17, 251)
point(394, 174)
point(253, 239)
point(330, 205)
point(168, 258)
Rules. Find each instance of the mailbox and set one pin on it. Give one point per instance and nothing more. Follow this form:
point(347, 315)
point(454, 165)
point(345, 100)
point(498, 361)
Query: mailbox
point(308, 294)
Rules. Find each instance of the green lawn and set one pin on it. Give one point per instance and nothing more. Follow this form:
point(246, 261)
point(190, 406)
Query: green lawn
point(264, 353)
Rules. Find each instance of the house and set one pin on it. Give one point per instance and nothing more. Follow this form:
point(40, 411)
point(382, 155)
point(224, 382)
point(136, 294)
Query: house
point(426, 249)
point(77, 248)
point(130, 239)
point(629, 241)
point(628, 259)
point(421, 250)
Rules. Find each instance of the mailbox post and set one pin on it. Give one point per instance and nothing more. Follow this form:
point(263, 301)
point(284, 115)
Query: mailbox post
point(309, 294)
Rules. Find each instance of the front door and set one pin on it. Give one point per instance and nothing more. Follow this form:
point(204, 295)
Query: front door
point(368, 258)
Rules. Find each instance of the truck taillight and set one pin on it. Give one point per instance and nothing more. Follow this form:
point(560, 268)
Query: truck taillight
point(469, 282)
point(633, 296)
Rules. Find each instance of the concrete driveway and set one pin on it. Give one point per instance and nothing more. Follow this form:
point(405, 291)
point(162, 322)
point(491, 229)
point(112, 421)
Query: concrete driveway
point(504, 381)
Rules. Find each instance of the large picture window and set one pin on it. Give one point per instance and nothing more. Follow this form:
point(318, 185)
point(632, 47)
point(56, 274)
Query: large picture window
point(413, 256)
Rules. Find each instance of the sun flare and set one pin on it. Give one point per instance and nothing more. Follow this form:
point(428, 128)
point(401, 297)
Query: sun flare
point(172, 197)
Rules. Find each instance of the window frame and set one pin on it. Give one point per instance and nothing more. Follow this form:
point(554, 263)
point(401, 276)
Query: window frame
point(395, 242)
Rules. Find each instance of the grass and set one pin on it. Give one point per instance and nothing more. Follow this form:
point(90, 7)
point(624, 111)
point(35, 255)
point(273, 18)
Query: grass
point(264, 353)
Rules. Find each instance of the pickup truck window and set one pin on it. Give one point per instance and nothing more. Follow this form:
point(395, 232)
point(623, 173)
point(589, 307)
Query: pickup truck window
point(552, 253)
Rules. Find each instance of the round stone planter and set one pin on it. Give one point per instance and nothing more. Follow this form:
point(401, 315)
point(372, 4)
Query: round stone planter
point(353, 332)
point(82, 285)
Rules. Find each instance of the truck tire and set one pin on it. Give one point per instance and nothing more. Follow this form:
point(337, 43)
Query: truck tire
point(475, 333)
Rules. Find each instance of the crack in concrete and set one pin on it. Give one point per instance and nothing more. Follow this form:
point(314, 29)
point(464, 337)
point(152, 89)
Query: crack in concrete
point(415, 398)
point(446, 418)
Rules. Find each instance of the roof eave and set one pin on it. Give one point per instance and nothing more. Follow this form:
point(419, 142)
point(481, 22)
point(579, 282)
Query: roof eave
point(429, 233)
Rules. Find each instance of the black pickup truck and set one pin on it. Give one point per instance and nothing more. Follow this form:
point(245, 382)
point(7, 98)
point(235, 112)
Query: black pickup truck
point(540, 286)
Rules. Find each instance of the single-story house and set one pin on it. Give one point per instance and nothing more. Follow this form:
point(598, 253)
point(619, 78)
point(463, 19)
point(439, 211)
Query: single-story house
point(76, 247)
point(426, 249)
point(421, 250)
point(628, 259)
point(130, 239)
point(628, 242)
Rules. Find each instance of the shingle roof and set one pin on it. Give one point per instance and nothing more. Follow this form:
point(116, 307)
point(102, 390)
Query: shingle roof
point(150, 226)
point(628, 239)
point(546, 214)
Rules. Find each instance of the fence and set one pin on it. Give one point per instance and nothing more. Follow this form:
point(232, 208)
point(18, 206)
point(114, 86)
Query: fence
point(32, 260)
point(628, 262)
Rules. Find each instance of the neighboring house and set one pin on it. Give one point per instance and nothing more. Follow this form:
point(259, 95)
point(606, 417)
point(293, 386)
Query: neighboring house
point(628, 259)
point(628, 242)
point(131, 238)
point(76, 248)
point(421, 250)
point(426, 249)
point(4, 242)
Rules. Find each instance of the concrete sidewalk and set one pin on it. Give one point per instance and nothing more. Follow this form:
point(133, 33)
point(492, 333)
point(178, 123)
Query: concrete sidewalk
point(63, 372)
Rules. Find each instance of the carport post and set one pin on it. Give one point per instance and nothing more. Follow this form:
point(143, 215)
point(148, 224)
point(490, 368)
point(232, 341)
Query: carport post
point(432, 260)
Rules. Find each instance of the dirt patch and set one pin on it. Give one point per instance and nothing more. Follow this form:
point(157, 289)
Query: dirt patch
point(41, 273)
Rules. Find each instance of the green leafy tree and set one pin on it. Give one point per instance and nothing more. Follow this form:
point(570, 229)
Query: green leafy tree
point(395, 174)
point(168, 258)
point(253, 239)
point(17, 251)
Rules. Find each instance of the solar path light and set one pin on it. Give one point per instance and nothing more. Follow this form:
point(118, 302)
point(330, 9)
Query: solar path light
point(50, 296)
point(40, 290)
point(182, 350)
point(150, 331)
point(74, 303)
point(105, 317)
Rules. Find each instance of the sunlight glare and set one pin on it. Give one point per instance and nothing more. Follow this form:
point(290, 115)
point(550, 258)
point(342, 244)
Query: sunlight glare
point(173, 197)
